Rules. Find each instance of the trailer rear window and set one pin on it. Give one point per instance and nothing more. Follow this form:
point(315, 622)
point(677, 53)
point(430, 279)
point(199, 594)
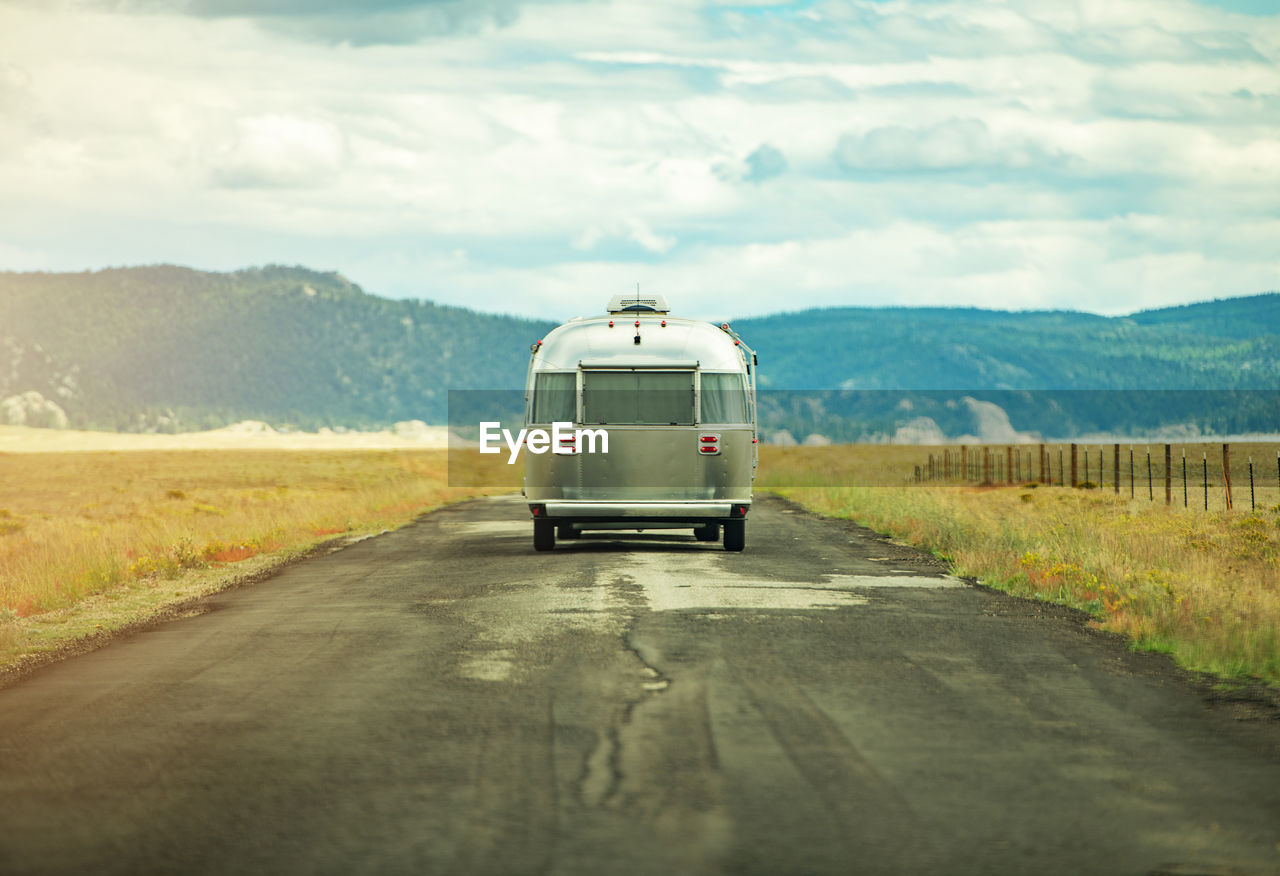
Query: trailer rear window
point(724, 399)
point(637, 398)
point(555, 397)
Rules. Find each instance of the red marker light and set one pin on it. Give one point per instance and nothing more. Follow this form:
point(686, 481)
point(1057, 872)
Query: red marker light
point(637, 323)
point(664, 323)
point(708, 439)
point(610, 323)
point(724, 325)
point(708, 448)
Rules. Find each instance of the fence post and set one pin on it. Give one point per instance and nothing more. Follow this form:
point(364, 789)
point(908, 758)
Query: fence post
point(1168, 475)
point(1252, 505)
point(1205, 460)
point(1130, 471)
point(1008, 465)
point(1044, 479)
point(1184, 477)
point(1226, 472)
point(1074, 481)
point(986, 464)
point(964, 462)
point(1061, 474)
point(1117, 466)
point(1086, 465)
point(1151, 496)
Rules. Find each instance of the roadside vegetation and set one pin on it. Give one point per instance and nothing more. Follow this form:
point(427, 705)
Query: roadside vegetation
point(1201, 586)
point(97, 540)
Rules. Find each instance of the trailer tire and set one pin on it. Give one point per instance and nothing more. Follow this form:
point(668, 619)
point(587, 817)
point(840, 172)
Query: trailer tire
point(735, 535)
point(544, 535)
point(566, 531)
point(710, 532)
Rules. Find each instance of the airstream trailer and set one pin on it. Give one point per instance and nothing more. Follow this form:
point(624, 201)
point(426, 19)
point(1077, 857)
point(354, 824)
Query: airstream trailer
point(675, 399)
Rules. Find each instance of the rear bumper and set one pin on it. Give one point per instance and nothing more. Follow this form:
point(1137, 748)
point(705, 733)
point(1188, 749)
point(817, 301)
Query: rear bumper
point(640, 512)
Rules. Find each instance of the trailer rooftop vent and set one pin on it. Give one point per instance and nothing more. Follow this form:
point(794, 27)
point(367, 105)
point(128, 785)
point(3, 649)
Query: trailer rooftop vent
point(638, 304)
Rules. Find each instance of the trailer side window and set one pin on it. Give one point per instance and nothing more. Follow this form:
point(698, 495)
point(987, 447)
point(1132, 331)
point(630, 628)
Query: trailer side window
point(723, 399)
point(555, 397)
point(637, 398)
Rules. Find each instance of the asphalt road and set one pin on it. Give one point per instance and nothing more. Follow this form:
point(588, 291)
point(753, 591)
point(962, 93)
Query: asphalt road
point(441, 699)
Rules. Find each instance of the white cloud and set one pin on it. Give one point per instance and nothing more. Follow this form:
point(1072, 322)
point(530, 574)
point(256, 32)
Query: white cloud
point(956, 144)
point(279, 151)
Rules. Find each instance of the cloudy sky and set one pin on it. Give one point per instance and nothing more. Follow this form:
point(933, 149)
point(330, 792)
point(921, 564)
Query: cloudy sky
point(741, 157)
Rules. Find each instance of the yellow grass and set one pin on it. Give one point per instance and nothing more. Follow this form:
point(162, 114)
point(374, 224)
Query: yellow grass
point(142, 526)
point(1202, 586)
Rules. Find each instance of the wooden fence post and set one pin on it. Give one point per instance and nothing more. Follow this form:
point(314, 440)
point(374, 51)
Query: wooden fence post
point(1168, 475)
point(1074, 481)
point(1008, 465)
point(986, 464)
point(1226, 472)
point(1117, 448)
point(1184, 477)
point(964, 462)
point(1044, 477)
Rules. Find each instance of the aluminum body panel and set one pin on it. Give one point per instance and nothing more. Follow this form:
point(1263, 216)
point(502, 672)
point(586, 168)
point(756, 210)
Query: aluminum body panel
point(681, 341)
point(648, 463)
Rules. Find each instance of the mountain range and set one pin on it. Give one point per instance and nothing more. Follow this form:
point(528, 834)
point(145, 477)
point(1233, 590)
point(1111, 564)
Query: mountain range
point(165, 348)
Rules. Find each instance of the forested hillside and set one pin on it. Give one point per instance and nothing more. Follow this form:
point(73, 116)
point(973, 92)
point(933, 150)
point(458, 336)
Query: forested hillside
point(1205, 346)
point(172, 348)
point(167, 348)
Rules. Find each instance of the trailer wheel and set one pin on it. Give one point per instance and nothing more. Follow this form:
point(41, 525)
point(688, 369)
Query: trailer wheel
point(544, 535)
point(566, 531)
point(735, 535)
point(710, 532)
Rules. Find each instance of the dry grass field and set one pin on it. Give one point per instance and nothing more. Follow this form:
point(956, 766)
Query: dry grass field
point(1201, 586)
point(95, 540)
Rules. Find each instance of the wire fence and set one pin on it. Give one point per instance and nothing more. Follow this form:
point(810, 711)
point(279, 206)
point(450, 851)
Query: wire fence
point(1191, 476)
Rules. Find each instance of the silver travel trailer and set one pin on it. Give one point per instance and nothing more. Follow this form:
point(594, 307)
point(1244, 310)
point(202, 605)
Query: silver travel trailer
point(675, 400)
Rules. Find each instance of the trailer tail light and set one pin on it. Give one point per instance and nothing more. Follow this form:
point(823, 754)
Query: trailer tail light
point(709, 443)
point(739, 510)
point(538, 510)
